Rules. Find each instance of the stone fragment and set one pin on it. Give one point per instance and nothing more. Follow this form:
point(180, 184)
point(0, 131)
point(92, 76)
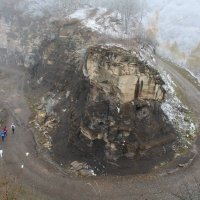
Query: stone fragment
point(41, 116)
point(82, 169)
point(86, 172)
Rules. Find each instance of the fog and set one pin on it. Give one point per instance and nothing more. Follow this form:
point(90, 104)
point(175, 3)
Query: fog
point(173, 24)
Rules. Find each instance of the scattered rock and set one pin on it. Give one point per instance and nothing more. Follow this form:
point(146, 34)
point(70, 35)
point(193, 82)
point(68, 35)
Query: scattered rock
point(184, 165)
point(186, 119)
point(86, 172)
point(67, 94)
point(112, 163)
point(47, 144)
point(41, 117)
point(78, 166)
point(192, 136)
point(32, 121)
point(50, 123)
point(82, 169)
point(40, 107)
point(172, 171)
point(39, 81)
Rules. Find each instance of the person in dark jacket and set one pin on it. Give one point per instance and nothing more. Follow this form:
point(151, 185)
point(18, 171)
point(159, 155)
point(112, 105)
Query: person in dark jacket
point(5, 130)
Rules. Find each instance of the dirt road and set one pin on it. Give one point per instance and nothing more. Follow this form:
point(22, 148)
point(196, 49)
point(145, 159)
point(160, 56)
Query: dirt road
point(43, 180)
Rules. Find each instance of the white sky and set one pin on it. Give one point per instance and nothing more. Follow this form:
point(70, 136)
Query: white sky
point(179, 20)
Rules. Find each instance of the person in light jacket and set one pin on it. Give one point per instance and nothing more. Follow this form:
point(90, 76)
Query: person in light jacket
point(13, 128)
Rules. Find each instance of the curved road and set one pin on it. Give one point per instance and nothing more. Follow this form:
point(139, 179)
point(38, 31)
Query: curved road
point(43, 180)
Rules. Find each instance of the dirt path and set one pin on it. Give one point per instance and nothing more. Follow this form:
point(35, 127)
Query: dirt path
point(190, 92)
point(43, 180)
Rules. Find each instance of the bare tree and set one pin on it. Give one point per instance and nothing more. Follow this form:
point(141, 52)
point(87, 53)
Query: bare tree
point(130, 11)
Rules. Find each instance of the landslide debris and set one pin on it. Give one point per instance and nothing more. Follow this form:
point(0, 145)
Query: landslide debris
point(94, 103)
point(121, 115)
point(104, 102)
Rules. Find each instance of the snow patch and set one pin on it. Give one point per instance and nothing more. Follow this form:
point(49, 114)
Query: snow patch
point(81, 14)
point(176, 112)
point(174, 108)
point(101, 20)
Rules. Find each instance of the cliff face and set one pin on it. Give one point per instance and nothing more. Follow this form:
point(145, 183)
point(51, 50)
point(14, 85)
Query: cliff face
point(105, 99)
point(122, 75)
point(122, 115)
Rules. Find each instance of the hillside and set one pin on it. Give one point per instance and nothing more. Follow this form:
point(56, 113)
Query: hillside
point(92, 94)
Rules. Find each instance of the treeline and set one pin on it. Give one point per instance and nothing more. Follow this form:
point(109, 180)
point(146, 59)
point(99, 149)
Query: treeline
point(130, 10)
point(132, 13)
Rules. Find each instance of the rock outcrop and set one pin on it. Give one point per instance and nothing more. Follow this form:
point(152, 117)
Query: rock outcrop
point(122, 115)
point(118, 73)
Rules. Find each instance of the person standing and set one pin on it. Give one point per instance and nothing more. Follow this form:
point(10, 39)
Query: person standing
point(2, 135)
point(5, 130)
point(13, 128)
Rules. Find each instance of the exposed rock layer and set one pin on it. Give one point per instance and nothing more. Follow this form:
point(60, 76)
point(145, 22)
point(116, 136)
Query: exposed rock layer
point(122, 115)
point(120, 74)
